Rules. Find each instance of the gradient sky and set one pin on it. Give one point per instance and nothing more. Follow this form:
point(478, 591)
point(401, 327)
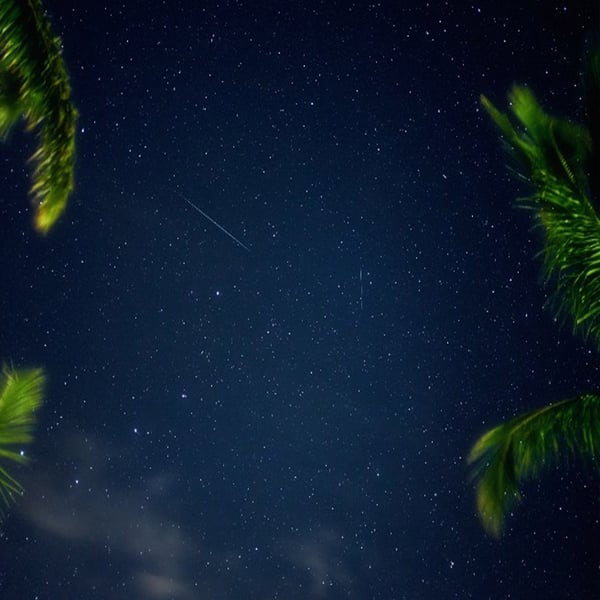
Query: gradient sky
point(290, 420)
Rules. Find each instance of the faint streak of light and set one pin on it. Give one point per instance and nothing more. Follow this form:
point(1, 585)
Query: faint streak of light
point(216, 224)
point(361, 290)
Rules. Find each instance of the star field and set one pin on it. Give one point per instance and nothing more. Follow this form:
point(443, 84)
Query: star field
point(290, 422)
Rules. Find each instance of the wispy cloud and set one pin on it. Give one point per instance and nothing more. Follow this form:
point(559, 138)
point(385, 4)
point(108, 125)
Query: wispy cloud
point(118, 523)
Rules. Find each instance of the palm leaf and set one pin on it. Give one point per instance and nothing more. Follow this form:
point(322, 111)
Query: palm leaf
point(548, 149)
point(34, 84)
point(555, 156)
point(21, 394)
point(510, 453)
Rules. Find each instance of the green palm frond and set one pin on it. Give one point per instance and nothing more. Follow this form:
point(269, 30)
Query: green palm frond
point(557, 156)
point(21, 394)
point(548, 149)
point(506, 455)
point(34, 84)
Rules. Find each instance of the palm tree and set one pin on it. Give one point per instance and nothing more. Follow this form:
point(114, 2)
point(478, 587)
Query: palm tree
point(560, 160)
point(34, 85)
point(20, 396)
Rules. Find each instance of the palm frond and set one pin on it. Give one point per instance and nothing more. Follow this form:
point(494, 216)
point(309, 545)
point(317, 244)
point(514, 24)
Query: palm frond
point(556, 156)
point(510, 453)
point(21, 393)
point(548, 149)
point(34, 83)
point(10, 105)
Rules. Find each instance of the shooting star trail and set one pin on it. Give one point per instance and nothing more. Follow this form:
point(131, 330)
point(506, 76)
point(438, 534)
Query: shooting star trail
point(216, 224)
point(361, 290)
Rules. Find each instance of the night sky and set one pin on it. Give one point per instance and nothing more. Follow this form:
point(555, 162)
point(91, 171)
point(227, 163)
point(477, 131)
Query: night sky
point(289, 418)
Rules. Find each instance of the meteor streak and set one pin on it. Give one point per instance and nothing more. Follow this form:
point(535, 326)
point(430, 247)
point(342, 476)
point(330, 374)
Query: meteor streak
point(216, 224)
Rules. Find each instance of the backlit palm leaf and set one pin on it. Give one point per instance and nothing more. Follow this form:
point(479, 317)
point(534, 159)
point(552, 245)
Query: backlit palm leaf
point(34, 84)
point(561, 160)
point(554, 155)
point(20, 396)
point(519, 449)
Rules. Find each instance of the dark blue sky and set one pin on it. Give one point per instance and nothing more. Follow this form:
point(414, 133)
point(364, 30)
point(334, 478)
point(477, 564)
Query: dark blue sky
point(225, 424)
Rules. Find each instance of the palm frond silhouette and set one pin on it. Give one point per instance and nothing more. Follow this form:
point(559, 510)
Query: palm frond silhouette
point(21, 394)
point(560, 160)
point(521, 448)
point(34, 85)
